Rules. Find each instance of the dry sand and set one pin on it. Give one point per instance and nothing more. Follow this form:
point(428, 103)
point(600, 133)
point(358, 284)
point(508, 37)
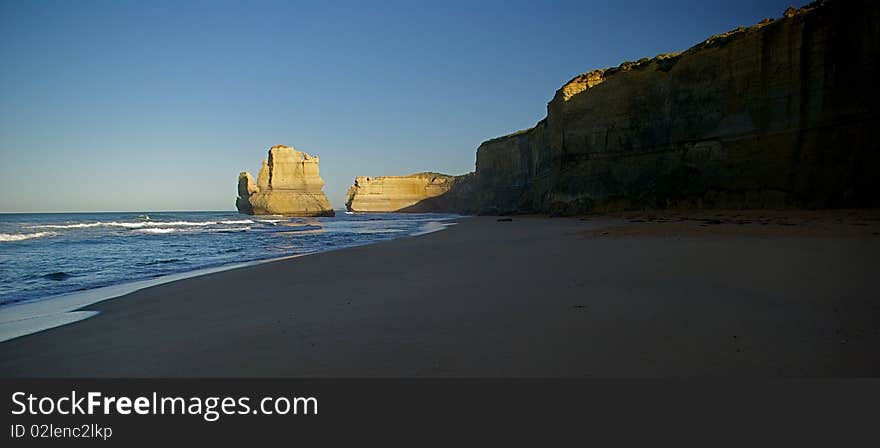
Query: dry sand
point(785, 294)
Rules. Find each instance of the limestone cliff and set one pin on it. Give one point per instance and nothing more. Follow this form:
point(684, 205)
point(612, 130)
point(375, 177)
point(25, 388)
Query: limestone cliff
point(421, 192)
point(288, 184)
point(781, 114)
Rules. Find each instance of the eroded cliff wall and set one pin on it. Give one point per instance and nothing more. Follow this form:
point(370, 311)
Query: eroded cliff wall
point(781, 114)
point(421, 192)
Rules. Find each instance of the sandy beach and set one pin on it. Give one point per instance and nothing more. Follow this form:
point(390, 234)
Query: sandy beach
point(745, 294)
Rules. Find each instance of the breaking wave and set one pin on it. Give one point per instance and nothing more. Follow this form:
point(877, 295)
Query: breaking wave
point(158, 230)
point(135, 225)
point(23, 236)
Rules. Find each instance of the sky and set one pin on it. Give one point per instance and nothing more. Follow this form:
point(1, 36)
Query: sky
point(158, 105)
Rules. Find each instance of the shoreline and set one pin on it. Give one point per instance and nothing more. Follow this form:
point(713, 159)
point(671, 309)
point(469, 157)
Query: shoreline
point(530, 297)
point(35, 315)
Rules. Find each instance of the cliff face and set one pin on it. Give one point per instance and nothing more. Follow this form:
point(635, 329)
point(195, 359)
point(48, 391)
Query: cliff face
point(422, 192)
point(288, 184)
point(781, 114)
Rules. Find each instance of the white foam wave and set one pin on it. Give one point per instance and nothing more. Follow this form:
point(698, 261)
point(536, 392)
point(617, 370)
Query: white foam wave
point(127, 225)
point(240, 221)
point(81, 225)
point(23, 236)
point(182, 223)
point(133, 225)
point(158, 230)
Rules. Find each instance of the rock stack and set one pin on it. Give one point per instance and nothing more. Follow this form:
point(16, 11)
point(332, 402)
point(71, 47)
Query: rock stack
point(288, 184)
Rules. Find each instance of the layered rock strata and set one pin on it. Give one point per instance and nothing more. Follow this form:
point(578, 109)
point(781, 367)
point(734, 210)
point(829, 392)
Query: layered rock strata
point(421, 192)
point(288, 184)
point(780, 114)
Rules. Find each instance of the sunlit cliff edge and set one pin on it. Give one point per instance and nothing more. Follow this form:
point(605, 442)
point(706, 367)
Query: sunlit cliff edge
point(777, 115)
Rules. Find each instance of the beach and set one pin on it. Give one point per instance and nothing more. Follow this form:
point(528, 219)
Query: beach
point(744, 294)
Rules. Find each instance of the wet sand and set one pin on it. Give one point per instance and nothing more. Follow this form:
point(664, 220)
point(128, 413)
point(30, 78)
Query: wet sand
point(762, 294)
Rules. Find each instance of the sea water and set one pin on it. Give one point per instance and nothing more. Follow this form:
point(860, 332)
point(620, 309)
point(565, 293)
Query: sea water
point(47, 254)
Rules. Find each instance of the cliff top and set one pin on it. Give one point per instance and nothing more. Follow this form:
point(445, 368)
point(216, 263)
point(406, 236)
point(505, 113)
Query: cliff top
point(511, 135)
point(425, 174)
point(288, 151)
point(665, 61)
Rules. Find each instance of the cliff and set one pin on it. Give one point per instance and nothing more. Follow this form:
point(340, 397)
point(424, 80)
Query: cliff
point(421, 192)
point(288, 184)
point(780, 114)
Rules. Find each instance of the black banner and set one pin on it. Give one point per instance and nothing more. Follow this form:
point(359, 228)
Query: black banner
point(416, 412)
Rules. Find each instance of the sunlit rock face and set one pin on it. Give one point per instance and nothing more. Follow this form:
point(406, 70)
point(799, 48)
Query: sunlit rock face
point(288, 184)
point(417, 193)
point(781, 114)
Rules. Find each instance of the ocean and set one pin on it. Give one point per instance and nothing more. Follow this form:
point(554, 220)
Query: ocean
point(47, 254)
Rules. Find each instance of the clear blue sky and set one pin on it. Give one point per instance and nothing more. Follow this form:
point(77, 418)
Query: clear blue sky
point(154, 105)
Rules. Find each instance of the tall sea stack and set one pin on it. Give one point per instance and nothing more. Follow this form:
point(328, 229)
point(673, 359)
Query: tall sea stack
point(288, 184)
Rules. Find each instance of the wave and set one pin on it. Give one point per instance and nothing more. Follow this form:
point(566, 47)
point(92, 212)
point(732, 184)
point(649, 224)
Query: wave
point(133, 225)
point(67, 226)
point(158, 230)
point(182, 223)
point(318, 231)
point(233, 229)
point(153, 227)
point(300, 228)
point(23, 236)
point(370, 231)
point(163, 261)
point(57, 276)
point(163, 230)
point(431, 227)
